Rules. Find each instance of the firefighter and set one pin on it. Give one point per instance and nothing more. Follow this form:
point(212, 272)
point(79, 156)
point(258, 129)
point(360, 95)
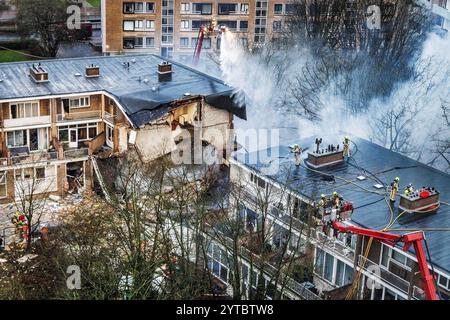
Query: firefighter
point(322, 206)
point(346, 148)
point(298, 154)
point(409, 190)
point(394, 188)
point(335, 200)
point(323, 202)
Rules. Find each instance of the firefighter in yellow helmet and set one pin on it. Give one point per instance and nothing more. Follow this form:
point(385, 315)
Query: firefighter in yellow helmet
point(409, 190)
point(323, 201)
point(346, 148)
point(335, 200)
point(394, 188)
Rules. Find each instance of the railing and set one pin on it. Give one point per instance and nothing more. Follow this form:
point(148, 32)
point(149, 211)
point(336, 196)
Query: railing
point(76, 153)
point(110, 118)
point(29, 121)
point(83, 115)
point(34, 158)
point(383, 275)
point(418, 293)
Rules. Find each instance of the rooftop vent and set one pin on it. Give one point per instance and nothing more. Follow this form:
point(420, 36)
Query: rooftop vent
point(92, 71)
point(164, 72)
point(38, 73)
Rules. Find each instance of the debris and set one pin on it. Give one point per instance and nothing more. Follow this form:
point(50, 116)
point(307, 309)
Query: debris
point(54, 197)
point(27, 257)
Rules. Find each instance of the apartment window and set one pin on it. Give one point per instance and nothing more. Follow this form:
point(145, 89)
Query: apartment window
point(444, 282)
point(17, 138)
point(402, 259)
point(3, 192)
point(243, 25)
point(184, 42)
point(232, 25)
point(248, 218)
point(197, 24)
point(150, 42)
point(128, 25)
point(139, 24)
point(257, 180)
point(244, 42)
point(244, 7)
point(83, 102)
point(344, 273)
point(150, 7)
point(290, 8)
point(128, 7)
point(389, 254)
point(193, 42)
point(83, 132)
point(138, 7)
point(128, 43)
point(150, 24)
point(138, 42)
point(218, 262)
point(24, 110)
point(184, 24)
point(227, 8)
point(277, 25)
point(185, 7)
point(278, 8)
point(30, 173)
point(202, 8)
point(167, 39)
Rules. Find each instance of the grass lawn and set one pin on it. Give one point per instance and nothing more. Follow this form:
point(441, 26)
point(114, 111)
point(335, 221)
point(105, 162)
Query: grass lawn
point(9, 56)
point(95, 3)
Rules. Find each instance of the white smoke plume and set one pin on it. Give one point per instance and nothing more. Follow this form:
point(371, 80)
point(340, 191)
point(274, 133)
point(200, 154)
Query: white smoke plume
point(422, 95)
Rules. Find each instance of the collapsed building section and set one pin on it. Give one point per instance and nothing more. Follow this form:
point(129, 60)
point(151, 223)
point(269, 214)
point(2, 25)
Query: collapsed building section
point(53, 120)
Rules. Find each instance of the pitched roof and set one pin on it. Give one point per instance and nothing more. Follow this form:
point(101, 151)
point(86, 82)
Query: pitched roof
point(136, 88)
point(371, 210)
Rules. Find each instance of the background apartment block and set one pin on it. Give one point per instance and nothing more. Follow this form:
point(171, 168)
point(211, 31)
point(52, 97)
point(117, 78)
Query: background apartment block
point(168, 26)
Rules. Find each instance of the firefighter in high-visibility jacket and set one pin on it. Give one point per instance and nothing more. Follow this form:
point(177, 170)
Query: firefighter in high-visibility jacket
point(409, 190)
point(394, 188)
point(336, 200)
point(322, 206)
point(346, 148)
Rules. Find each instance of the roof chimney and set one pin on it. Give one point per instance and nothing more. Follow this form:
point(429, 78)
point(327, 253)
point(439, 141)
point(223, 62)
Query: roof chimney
point(92, 71)
point(164, 72)
point(38, 73)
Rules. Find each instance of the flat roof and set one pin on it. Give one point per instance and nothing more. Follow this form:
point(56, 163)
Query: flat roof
point(378, 165)
point(136, 88)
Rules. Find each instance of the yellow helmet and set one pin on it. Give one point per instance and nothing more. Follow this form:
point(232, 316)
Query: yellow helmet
point(322, 195)
point(335, 193)
point(397, 179)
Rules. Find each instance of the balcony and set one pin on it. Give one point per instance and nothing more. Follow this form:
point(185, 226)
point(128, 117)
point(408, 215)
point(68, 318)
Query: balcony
point(76, 153)
point(110, 118)
point(26, 157)
point(384, 276)
point(23, 122)
point(79, 116)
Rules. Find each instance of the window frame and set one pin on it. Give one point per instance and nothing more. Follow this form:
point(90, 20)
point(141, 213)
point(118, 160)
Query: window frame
point(79, 99)
point(23, 105)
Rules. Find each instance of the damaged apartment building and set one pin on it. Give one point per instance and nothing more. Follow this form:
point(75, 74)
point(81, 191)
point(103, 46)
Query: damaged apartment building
point(57, 115)
point(284, 205)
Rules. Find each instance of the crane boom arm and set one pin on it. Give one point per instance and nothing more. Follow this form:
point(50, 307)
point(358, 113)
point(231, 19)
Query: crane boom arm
point(414, 238)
